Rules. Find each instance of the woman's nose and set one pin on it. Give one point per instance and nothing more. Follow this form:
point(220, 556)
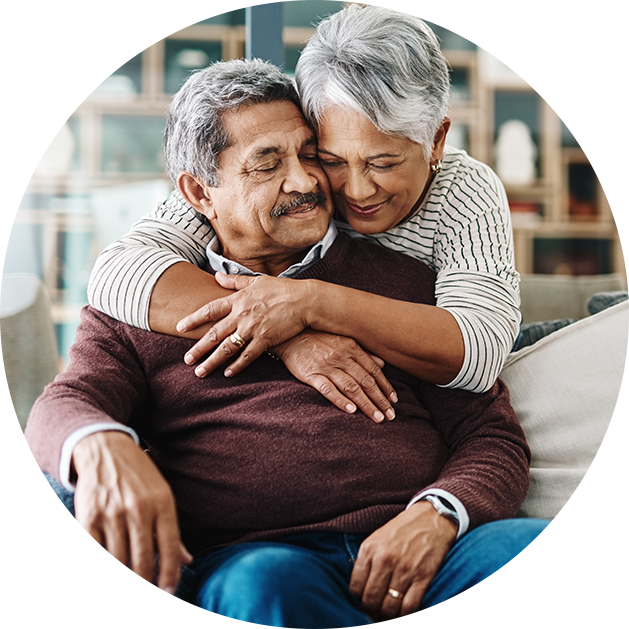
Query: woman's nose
point(359, 186)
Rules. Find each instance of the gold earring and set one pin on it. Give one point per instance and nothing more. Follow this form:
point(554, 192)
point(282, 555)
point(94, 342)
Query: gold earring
point(436, 168)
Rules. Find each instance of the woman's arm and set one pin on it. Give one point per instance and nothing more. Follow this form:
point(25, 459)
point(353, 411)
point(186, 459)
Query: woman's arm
point(151, 278)
point(423, 340)
point(126, 272)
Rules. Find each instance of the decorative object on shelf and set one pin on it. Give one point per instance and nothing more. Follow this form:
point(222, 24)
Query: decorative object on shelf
point(525, 214)
point(515, 154)
point(511, 47)
point(590, 185)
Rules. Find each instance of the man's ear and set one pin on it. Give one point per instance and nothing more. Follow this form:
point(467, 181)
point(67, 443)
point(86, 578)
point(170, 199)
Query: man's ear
point(196, 193)
point(440, 140)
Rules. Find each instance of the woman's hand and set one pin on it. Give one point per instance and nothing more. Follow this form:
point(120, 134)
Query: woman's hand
point(341, 371)
point(265, 312)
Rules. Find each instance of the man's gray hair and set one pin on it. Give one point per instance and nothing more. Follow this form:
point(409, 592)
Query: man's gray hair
point(195, 134)
point(385, 65)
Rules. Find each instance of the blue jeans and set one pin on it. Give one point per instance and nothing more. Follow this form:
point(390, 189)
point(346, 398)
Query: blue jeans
point(303, 580)
point(517, 573)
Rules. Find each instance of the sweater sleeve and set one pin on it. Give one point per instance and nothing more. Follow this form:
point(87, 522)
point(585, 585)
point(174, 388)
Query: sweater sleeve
point(103, 384)
point(476, 277)
point(488, 468)
point(126, 271)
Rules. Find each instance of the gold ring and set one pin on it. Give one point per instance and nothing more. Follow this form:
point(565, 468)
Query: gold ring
point(394, 593)
point(237, 340)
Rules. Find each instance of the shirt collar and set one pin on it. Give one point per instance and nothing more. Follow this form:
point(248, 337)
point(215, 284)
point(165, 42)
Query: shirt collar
point(316, 252)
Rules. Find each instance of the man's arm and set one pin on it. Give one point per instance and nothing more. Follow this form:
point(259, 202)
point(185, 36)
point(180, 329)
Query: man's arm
point(488, 471)
point(125, 504)
point(121, 498)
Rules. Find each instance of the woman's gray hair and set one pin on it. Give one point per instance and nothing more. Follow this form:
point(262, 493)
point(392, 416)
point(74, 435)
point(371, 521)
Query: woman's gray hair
point(195, 134)
point(385, 65)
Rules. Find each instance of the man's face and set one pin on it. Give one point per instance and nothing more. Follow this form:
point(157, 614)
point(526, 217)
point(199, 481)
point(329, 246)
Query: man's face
point(273, 200)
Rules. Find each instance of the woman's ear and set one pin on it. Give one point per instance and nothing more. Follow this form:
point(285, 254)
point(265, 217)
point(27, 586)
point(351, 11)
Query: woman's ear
point(440, 140)
point(196, 193)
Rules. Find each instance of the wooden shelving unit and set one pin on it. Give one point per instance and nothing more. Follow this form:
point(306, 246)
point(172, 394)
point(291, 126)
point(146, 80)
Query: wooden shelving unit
point(546, 190)
point(468, 103)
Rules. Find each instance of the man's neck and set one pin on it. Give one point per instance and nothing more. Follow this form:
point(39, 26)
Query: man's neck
point(289, 263)
point(271, 265)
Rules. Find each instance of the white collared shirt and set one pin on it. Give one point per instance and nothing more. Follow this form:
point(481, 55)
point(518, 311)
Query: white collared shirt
point(229, 267)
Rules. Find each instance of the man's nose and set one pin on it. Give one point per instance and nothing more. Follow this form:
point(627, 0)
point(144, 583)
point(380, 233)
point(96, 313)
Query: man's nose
point(298, 179)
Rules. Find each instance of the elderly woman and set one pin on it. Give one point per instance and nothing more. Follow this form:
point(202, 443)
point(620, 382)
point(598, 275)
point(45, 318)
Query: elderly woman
point(374, 85)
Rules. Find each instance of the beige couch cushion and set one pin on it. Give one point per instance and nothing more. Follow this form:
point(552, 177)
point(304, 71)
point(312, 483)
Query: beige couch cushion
point(548, 297)
point(29, 345)
point(564, 390)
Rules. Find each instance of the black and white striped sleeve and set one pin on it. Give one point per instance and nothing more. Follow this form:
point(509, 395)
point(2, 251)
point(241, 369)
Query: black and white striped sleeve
point(476, 277)
point(126, 271)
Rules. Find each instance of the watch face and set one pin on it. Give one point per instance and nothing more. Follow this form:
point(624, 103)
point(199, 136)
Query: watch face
point(443, 507)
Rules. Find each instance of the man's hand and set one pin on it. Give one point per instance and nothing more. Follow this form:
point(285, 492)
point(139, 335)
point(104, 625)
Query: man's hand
point(265, 312)
point(341, 371)
point(125, 504)
point(404, 555)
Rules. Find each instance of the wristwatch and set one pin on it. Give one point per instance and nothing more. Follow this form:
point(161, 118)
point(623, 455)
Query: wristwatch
point(442, 506)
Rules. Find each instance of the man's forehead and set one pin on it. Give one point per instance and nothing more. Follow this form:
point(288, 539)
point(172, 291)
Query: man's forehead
point(265, 129)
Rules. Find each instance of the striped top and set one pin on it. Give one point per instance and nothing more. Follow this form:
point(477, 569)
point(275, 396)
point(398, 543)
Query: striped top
point(462, 231)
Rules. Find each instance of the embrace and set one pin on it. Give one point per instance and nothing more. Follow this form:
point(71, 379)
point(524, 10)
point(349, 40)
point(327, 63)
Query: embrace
point(254, 500)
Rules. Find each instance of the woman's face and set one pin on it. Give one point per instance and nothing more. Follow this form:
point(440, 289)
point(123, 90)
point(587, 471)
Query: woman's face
point(377, 180)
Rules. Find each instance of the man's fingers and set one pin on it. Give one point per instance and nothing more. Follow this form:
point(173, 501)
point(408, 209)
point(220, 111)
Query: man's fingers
point(367, 394)
point(116, 540)
point(171, 551)
point(327, 388)
point(383, 387)
point(142, 549)
point(413, 597)
point(360, 574)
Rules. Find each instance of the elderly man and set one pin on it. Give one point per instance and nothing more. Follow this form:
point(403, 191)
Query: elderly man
point(287, 511)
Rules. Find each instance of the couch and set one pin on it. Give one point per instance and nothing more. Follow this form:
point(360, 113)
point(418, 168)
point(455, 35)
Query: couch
point(564, 389)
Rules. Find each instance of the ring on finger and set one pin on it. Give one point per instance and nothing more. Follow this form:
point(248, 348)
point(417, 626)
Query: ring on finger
point(394, 593)
point(237, 340)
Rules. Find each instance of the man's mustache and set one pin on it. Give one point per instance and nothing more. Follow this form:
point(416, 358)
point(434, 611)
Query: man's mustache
point(307, 198)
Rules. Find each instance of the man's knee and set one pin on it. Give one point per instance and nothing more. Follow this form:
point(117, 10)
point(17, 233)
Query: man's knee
point(255, 575)
point(279, 585)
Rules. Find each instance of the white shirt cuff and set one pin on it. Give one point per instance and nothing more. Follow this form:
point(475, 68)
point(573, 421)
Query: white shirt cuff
point(65, 461)
point(461, 511)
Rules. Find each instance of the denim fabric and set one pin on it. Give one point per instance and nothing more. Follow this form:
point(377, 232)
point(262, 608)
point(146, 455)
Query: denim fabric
point(39, 559)
point(601, 301)
point(303, 580)
point(521, 574)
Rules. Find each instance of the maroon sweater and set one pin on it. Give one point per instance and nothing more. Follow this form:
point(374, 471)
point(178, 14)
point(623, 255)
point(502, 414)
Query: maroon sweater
point(261, 454)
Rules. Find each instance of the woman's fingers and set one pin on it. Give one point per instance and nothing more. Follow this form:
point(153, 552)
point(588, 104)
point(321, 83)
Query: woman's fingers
point(212, 311)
